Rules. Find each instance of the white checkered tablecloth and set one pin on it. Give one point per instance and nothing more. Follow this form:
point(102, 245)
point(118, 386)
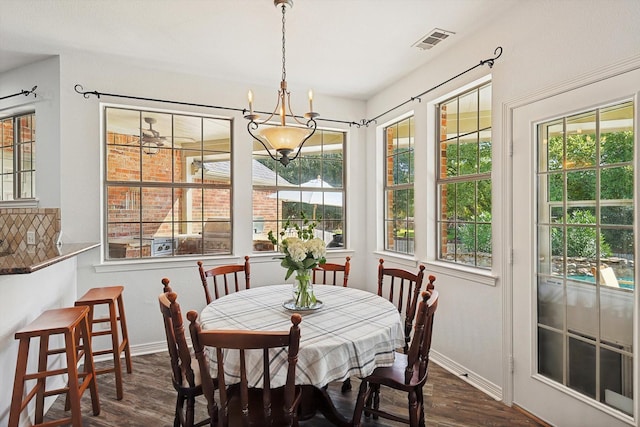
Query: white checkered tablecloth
point(353, 333)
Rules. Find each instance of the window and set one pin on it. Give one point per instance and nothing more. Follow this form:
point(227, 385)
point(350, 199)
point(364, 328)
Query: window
point(167, 184)
point(586, 286)
point(464, 179)
point(313, 184)
point(17, 158)
point(398, 186)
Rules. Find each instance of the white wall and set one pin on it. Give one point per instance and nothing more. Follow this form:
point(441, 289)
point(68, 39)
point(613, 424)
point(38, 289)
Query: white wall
point(544, 42)
point(26, 296)
point(46, 75)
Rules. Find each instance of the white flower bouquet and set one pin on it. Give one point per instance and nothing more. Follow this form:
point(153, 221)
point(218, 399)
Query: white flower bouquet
point(302, 253)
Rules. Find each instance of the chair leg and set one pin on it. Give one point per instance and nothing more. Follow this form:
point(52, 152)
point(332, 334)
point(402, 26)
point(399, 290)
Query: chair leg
point(413, 408)
point(363, 396)
point(125, 334)
point(191, 402)
point(178, 419)
point(376, 399)
point(346, 385)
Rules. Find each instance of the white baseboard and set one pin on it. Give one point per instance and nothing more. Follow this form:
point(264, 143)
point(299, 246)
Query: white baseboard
point(467, 375)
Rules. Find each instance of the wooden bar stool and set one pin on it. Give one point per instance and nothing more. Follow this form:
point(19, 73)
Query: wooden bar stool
point(73, 323)
point(112, 296)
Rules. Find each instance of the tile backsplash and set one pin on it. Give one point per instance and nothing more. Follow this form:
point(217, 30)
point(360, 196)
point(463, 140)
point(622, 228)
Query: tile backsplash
point(15, 223)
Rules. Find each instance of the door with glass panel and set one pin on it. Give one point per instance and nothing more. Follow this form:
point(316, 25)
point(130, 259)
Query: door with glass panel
point(574, 274)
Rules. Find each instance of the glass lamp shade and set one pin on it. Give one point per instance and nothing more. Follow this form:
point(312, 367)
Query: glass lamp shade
point(284, 137)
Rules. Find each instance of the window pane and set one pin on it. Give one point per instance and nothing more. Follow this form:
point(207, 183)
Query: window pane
point(581, 185)
point(464, 184)
point(616, 183)
point(581, 137)
point(468, 112)
point(167, 151)
point(616, 134)
point(469, 154)
point(592, 254)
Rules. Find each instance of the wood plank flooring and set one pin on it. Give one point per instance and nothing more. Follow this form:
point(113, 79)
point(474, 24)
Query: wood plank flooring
point(149, 400)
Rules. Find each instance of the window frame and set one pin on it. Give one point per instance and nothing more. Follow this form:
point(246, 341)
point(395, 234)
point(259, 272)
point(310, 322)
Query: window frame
point(17, 170)
point(277, 183)
point(406, 186)
point(177, 226)
point(485, 176)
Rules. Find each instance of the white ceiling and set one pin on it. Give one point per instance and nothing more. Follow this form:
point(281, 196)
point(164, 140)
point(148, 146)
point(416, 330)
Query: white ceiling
point(350, 48)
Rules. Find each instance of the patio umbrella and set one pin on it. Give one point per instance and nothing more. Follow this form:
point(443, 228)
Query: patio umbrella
point(315, 198)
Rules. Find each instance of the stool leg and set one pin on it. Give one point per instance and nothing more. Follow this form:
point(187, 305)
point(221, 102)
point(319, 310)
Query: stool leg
point(125, 334)
point(89, 368)
point(42, 381)
point(18, 383)
point(115, 345)
point(72, 373)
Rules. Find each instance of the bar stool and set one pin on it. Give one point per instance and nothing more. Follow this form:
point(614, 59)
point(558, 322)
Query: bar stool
point(112, 296)
point(73, 323)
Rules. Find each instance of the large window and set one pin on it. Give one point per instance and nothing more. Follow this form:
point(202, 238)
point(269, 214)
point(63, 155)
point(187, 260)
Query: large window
point(167, 184)
point(312, 185)
point(398, 186)
point(464, 179)
point(586, 255)
point(17, 157)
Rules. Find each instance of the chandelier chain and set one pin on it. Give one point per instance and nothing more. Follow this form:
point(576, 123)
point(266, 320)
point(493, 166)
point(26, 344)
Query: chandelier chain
point(284, 70)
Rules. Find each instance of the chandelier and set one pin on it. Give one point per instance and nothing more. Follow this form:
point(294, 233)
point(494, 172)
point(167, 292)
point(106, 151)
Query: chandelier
point(283, 138)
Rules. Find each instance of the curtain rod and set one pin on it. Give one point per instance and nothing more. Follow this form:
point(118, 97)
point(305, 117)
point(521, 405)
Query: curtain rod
point(79, 89)
point(489, 62)
point(364, 122)
point(22, 92)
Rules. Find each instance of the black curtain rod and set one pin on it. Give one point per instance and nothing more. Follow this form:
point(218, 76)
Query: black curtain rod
point(79, 89)
point(489, 62)
point(364, 122)
point(22, 92)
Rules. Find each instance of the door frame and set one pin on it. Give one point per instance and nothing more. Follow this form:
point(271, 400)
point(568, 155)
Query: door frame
point(508, 111)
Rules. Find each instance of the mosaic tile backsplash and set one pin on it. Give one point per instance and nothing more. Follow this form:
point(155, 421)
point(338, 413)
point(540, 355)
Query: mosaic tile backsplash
point(14, 224)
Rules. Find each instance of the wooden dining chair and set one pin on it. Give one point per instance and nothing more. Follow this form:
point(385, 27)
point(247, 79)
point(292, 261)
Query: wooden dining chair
point(240, 404)
point(185, 374)
point(221, 277)
point(408, 372)
point(327, 273)
point(403, 290)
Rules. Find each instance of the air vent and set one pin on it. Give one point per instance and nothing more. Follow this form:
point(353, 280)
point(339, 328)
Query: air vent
point(432, 38)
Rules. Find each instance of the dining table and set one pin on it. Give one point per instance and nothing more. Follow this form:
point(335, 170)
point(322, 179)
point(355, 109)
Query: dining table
point(349, 332)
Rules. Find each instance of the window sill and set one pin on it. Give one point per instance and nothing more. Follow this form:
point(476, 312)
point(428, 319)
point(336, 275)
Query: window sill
point(398, 258)
point(164, 263)
point(477, 275)
point(20, 203)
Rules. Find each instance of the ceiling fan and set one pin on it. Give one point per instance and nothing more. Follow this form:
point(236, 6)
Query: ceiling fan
point(152, 135)
point(151, 138)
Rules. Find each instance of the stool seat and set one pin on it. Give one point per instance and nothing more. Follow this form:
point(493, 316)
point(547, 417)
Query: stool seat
point(73, 323)
point(112, 297)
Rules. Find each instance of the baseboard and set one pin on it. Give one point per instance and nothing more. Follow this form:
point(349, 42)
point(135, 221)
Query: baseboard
point(467, 375)
point(139, 350)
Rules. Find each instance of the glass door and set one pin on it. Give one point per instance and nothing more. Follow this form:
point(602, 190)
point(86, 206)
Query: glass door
point(574, 270)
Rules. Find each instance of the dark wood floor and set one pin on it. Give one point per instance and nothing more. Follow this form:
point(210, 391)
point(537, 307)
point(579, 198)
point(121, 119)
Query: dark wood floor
point(149, 400)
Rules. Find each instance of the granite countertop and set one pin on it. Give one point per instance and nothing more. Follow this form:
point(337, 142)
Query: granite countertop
point(24, 262)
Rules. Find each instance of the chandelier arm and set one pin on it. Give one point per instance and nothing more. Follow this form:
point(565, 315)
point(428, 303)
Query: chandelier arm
point(311, 124)
point(251, 126)
point(292, 114)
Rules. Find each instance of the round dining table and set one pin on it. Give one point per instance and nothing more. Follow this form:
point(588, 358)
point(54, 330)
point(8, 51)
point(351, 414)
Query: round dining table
point(350, 334)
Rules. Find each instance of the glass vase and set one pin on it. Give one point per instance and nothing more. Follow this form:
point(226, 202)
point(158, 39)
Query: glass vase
point(303, 296)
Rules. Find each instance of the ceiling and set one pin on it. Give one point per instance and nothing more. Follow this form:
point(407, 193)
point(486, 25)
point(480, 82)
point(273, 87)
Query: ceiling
point(330, 44)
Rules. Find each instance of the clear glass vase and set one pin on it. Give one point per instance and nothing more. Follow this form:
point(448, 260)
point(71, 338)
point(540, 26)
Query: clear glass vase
point(303, 296)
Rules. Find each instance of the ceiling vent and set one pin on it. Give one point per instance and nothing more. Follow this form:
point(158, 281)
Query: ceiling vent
point(432, 38)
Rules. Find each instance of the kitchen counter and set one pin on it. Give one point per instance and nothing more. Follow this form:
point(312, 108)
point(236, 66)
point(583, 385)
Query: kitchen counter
point(24, 262)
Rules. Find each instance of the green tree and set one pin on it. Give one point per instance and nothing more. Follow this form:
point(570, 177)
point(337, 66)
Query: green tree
point(581, 241)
